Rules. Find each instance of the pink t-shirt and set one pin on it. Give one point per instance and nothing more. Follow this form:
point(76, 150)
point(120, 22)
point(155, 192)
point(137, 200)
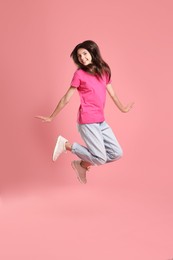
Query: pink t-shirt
point(92, 93)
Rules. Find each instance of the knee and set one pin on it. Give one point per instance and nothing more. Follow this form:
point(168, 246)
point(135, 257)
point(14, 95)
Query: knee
point(120, 153)
point(116, 155)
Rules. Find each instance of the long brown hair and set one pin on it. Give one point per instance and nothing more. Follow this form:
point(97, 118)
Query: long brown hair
point(98, 66)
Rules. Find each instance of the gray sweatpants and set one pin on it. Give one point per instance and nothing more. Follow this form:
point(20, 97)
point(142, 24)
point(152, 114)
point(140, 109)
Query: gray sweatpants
point(101, 144)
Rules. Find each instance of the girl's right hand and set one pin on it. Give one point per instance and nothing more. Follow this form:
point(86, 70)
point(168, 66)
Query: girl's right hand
point(44, 118)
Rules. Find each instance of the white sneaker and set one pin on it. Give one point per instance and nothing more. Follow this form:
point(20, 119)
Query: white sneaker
point(59, 147)
point(80, 171)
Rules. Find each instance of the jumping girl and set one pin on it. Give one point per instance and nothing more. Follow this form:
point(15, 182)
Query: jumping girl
point(92, 79)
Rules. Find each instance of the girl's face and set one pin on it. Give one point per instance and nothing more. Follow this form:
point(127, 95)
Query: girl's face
point(84, 57)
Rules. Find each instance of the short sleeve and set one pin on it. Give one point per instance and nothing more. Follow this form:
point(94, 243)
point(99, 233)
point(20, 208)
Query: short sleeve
point(75, 80)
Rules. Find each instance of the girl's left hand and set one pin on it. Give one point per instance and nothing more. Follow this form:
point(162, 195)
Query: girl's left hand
point(128, 107)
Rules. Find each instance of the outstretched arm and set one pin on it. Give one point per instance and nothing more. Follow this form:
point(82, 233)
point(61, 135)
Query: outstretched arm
point(62, 103)
point(116, 100)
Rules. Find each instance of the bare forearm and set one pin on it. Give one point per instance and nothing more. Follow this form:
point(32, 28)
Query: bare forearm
point(59, 107)
point(118, 103)
point(116, 100)
point(64, 100)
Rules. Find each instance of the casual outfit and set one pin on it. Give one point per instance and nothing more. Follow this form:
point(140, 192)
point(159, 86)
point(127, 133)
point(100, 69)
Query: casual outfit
point(101, 144)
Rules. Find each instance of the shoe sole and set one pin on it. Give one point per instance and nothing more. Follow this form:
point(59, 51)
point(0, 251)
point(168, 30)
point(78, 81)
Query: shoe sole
point(74, 168)
point(55, 156)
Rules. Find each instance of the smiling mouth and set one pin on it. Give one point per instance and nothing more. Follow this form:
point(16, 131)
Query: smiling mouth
point(84, 62)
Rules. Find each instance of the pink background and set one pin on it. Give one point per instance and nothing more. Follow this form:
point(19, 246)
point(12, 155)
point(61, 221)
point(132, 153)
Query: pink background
point(125, 211)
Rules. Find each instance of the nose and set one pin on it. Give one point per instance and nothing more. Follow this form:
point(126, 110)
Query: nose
point(82, 57)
